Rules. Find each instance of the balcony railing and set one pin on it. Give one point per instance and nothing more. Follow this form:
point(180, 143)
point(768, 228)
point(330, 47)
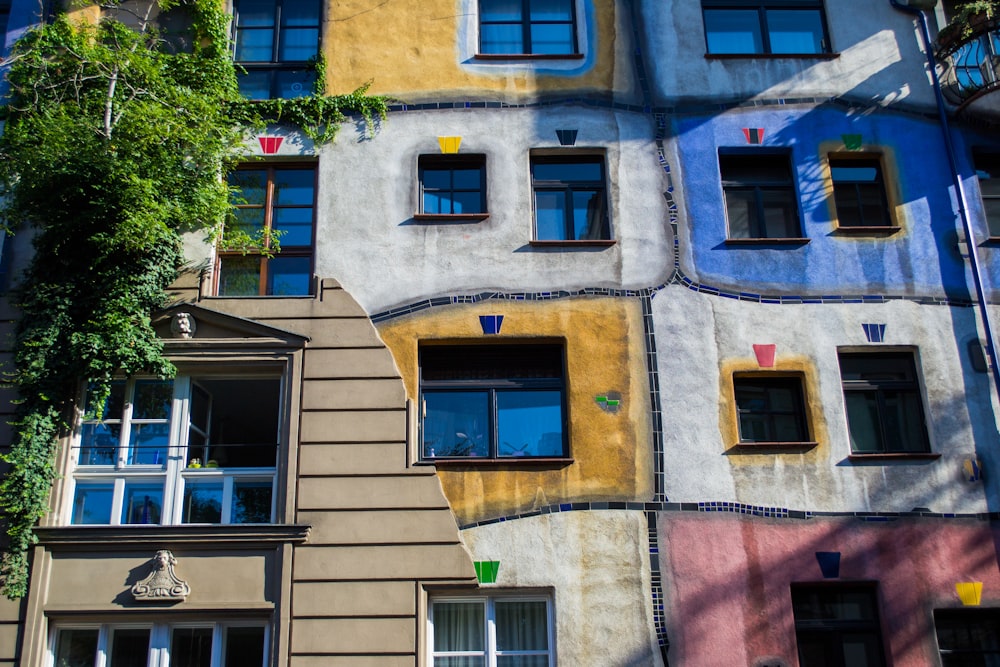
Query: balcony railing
point(968, 58)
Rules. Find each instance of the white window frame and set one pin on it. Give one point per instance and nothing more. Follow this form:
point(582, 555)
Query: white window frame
point(175, 472)
point(159, 639)
point(490, 652)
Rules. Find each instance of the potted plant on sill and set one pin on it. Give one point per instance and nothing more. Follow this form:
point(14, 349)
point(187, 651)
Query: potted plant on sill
point(967, 21)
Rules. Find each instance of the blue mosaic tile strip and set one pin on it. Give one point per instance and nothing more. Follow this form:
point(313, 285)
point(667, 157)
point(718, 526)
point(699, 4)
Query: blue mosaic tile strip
point(727, 507)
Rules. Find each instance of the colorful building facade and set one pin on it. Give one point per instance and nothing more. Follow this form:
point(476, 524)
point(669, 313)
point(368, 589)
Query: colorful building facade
point(637, 334)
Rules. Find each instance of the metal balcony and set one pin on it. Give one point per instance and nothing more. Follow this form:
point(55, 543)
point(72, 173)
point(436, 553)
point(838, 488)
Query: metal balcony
point(969, 64)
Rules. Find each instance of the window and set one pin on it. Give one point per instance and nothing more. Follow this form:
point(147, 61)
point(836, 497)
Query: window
point(859, 192)
point(452, 185)
point(988, 171)
point(493, 401)
point(527, 27)
point(968, 636)
point(276, 42)
point(491, 631)
point(271, 203)
point(160, 645)
point(837, 625)
point(760, 196)
point(885, 413)
point(770, 409)
point(754, 27)
point(190, 450)
point(570, 201)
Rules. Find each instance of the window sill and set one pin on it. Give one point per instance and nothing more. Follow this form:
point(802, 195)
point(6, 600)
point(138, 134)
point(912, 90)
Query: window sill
point(893, 456)
point(222, 536)
point(529, 56)
point(771, 447)
point(592, 243)
point(450, 218)
point(772, 56)
point(475, 462)
point(776, 241)
point(881, 230)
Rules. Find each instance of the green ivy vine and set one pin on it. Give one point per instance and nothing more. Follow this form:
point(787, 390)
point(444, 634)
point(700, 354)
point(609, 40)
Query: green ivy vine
point(115, 145)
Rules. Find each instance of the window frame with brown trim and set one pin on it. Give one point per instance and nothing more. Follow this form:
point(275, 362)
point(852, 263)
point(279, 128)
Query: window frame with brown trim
point(264, 255)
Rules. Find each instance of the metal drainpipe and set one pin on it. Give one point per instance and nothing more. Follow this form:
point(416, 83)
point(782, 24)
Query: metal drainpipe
point(963, 209)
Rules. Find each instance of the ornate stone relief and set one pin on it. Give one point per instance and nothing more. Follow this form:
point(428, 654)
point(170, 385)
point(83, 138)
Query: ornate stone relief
point(162, 583)
point(183, 325)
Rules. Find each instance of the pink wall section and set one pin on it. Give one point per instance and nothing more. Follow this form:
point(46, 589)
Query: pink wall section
point(726, 580)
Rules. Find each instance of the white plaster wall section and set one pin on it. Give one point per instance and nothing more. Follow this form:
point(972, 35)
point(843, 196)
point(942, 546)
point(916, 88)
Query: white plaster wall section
point(956, 400)
point(467, 46)
point(878, 60)
point(603, 609)
point(368, 193)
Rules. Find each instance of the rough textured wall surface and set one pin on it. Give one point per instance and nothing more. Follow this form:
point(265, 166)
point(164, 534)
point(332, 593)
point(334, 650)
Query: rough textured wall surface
point(727, 580)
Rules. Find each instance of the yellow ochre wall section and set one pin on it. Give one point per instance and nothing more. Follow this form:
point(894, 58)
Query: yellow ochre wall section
point(411, 49)
point(605, 352)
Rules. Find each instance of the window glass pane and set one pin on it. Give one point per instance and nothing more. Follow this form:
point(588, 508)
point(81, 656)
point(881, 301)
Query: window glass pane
point(741, 210)
point(456, 423)
point(293, 83)
point(246, 220)
point(459, 661)
point(202, 502)
point(113, 406)
point(863, 422)
point(300, 13)
point(296, 223)
point(99, 443)
point(129, 647)
point(459, 626)
point(733, 31)
point(250, 186)
point(529, 423)
point(551, 10)
point(245, 416)
point(553, 39)
point(502, 39)
point(436, 203)
point(500, 10)
point(239, 276)
point(76, 648)
point(143, 503)
point(872, 204)
point(437, 179)
point(591, 172)
point(521, 626)
point(254, 45)
point(466, 202)
point(289, 276)
point(523, 661)
point(589, 219)
point(254, 13)
point(992, 208)
point(795, 30)
point(853, 173)
point(251, 502)
point(779, 214)
point(294, 187)
point(903, 422)
point(255, 84)
point(148, 444)
point(755, 169)
point(244, 647)
point(550, 215)
point(152, 399)
point(861, 649)
point(298, 44)
point(191, 647)
point(467, 179)
point(849, 213)
point(92, 502)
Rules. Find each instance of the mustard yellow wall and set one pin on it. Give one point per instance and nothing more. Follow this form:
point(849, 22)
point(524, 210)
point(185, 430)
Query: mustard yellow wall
point(612, 452)
point(410, 49)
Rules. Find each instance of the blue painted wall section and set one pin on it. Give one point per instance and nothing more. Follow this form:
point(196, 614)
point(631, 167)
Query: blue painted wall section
point(918, 260)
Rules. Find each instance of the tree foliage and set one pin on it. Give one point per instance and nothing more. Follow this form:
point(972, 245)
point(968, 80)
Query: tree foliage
point(115, 145)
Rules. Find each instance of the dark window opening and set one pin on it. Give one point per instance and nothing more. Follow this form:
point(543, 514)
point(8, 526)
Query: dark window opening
point(570, 198)
point(760, 196)
point(789, 27)
point(770, 409)
point(451, 185)
point(837, 625)
point(276, 42)
point(859, 192)
point(533, 27)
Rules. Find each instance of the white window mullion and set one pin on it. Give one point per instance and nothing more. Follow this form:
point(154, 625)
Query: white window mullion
point(103, 646)
point(118, 501)
point(159, 646)
point(491, 634)
point(227, 498)
point(126, 425)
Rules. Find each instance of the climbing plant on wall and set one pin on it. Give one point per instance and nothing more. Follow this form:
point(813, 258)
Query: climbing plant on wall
point(115, 145)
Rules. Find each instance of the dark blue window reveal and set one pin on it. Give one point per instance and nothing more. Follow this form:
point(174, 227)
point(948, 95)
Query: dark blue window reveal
point(885, 413)
point(492, 402)
point(532, 27)
point(750, 27)
point(271, 203)
point(570, 198)
point(276, 42)
point(451, 185)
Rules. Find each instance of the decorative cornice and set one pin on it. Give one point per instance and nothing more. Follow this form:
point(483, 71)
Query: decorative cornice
point(215, 537)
